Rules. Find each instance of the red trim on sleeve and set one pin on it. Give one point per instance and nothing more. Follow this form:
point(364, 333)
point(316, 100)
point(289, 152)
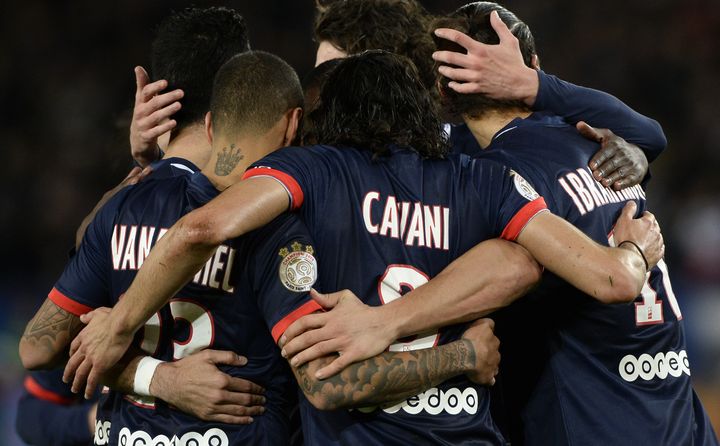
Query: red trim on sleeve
point(42, 393)
point(522, 217)
point(308, 307)
point(67, 303)
point(292, 186)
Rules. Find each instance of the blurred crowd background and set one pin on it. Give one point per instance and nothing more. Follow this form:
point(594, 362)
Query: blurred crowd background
point(67, 86)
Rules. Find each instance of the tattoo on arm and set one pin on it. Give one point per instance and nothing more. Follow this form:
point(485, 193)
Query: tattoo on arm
point(227, 160)
point(52, 329)
point(388, 377)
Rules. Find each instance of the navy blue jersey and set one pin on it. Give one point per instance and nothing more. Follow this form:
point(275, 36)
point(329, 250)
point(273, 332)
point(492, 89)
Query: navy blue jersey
point(602, 373)
point(231, 304)
point(575, 103)
point(50, 414)
point(385, 227)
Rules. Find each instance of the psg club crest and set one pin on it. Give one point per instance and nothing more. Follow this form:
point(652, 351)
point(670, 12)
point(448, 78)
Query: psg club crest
point(523, 187)
point(298, 269)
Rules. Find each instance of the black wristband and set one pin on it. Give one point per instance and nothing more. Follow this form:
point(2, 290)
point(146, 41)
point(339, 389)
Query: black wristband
point(642, 254)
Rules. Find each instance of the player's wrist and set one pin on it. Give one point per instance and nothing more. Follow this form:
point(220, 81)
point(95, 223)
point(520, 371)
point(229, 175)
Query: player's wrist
point(161, 381)
point(632, 246)
point(144, 374)
point(529, 86)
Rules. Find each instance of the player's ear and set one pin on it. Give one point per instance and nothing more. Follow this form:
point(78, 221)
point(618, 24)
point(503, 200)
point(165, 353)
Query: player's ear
point(209, 127)
point(294, 116)
point(535, 62)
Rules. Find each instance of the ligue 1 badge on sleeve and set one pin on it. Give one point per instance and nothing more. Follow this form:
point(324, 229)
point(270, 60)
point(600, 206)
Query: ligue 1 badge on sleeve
point(298, 269)
point(522, 186)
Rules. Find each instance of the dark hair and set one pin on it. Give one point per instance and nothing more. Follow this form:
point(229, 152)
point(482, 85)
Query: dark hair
point(375, 100)
point(474, 20)
point(398, 26)
point(313, 82)
point(252, 91)
point(190, 47)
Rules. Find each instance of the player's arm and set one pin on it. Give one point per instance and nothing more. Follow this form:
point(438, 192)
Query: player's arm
point(47, 417)
point(177, 257)
point(393, 376)
point(500, 72)
point(488, 277)
point(610, 275)
point(47, 336)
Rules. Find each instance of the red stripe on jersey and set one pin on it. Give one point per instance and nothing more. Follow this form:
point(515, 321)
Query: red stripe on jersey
point(308, 307)
point(67, 303)
point(42, 393)
point(292, 186)
point(523, 216)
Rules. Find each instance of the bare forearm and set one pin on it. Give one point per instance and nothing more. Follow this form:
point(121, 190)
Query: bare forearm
point(488, 277)
point(121, 377)
point(46, 339)
point(388, 377)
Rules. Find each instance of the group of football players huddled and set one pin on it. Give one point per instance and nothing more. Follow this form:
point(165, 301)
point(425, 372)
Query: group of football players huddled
point(345, 260)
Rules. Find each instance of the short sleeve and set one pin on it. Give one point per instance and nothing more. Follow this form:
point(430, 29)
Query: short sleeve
point(85, 283)
point(296, 169)
point(47, 385)
point(282, 273)
point(512, 200)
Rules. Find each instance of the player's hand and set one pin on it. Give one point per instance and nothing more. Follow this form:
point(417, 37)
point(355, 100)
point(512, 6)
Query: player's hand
point(151, 116)
point(487, 354)
point(94, 350)
point(643, 231)
point(136, 175)
point(350, 328)
point(618, 163)
point(495, 70)
point(196, 386)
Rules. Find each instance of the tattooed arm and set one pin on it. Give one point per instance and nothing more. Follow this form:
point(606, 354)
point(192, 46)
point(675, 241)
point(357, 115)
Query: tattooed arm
point(394, 376)
point(47, 337)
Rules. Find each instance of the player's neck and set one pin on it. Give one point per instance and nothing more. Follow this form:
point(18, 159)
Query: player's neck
point(487, 126)
point(191, 144)
point(230, 159)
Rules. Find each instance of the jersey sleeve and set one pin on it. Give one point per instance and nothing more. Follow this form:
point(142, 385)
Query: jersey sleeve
point(511, 202)
point(85, 282)
point(49, 413)
point(282, 272)
point(295, 168)
point(597, 108)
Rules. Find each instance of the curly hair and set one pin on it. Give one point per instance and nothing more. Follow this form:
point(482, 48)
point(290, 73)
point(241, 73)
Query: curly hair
point(373, 101)
point(473, 19)
point(189, 48)
point(398, 26)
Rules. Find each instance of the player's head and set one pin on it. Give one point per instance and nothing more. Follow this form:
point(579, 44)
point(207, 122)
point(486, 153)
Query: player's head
point(347, 27)
point(375, 100)
point(255, 94)
point(474, 20)
point(189, 48)
point(313, 82)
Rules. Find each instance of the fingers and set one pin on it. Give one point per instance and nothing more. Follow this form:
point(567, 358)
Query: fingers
point(244, 386)
point(248, 400)
point(614, 177)
point(318, 350)
point(458, 74)
point(335, 367)
point(464, 88)
point(452, 58)
point(81, 375)
point(224, 357)
point(609, 166)
point(141, 80)
point(71, 366)
point(588, 132)
point(302, 342)
point(327, 301)
point(501, 28)
point(628, 212)
point(458, 37)
point(151, 89)
point(87, 317)
point(227, 419)
point(305, 323)
point(159, 129)
point(92, 382)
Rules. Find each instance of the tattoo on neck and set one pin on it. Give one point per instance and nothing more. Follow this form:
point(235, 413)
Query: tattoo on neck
point(227, 160)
